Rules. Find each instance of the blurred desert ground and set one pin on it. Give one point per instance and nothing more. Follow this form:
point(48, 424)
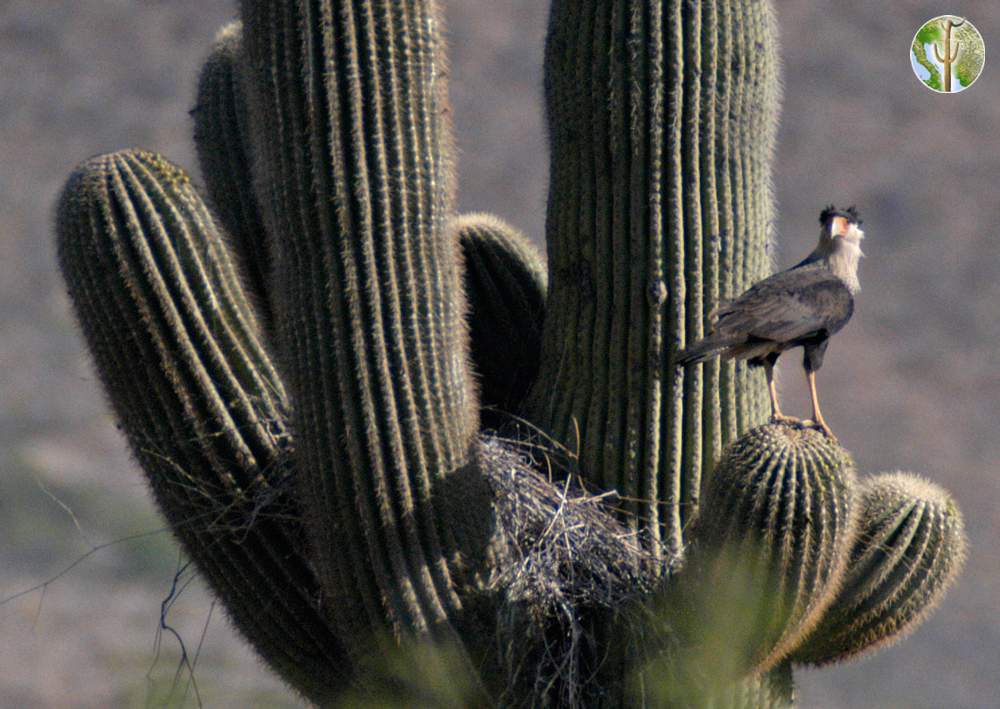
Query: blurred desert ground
point(913, 383)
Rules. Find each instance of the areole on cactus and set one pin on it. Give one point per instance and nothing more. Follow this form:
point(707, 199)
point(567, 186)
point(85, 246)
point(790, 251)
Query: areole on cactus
point(372, 422)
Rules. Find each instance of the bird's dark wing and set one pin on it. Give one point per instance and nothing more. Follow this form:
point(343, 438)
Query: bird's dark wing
point(787, 306)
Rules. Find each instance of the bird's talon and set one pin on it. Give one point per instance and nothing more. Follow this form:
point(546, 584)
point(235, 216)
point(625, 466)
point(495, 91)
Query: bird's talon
point(824, 429)
point(787, 420)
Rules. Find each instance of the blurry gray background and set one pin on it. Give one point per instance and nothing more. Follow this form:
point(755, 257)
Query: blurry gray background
point(913, 383)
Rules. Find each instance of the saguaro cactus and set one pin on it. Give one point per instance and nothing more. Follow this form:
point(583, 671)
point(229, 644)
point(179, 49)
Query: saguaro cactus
point(950, 53)
point(313, 377)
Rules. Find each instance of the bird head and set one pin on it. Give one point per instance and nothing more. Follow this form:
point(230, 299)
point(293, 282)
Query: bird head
point(840, 243)
point(841, 230)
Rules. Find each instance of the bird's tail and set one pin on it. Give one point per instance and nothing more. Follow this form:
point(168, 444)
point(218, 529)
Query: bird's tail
point(701, 351)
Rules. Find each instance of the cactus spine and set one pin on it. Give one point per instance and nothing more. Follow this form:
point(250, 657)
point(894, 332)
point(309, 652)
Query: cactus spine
point(388, 518)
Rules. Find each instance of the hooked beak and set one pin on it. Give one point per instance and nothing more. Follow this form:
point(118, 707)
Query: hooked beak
point(839, 227)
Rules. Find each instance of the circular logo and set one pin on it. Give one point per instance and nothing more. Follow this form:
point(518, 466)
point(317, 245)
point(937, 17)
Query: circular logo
point(947, 54)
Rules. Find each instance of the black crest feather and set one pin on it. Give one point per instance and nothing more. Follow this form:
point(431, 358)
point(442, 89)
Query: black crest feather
point(830, 211)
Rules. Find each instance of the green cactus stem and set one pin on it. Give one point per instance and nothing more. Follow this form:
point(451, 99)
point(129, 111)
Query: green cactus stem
point(221, 137)
point(680, 679)
point(661, 119)
point(349, 103)
point(770, 690)
point(505, 281)
point(773, 690)
point(769, 549)
point(178, 350)
point(909, 549)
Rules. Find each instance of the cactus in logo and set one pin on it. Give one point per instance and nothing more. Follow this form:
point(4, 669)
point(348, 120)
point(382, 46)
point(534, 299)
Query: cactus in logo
point(947, 54)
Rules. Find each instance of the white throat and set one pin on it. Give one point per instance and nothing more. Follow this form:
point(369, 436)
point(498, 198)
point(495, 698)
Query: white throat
point(844, 258)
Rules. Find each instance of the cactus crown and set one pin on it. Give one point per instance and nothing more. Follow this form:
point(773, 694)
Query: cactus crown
point(373, 423)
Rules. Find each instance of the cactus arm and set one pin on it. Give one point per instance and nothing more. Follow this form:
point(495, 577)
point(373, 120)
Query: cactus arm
point(353, 152)
point(628, 100)
point(768, 550)
point(937, 54)
point(954, 54)
point(178, 350)
point(505, 283)
point(221, 137)
point(909, 548)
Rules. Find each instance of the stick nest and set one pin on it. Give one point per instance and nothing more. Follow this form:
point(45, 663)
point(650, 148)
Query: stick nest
point(568, 565)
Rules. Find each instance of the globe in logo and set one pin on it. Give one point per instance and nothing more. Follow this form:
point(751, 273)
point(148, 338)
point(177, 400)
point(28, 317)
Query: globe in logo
point(947, 54)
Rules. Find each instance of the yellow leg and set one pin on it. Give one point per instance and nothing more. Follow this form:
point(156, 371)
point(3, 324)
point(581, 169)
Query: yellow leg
point(776, 415)
point(817, 415)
